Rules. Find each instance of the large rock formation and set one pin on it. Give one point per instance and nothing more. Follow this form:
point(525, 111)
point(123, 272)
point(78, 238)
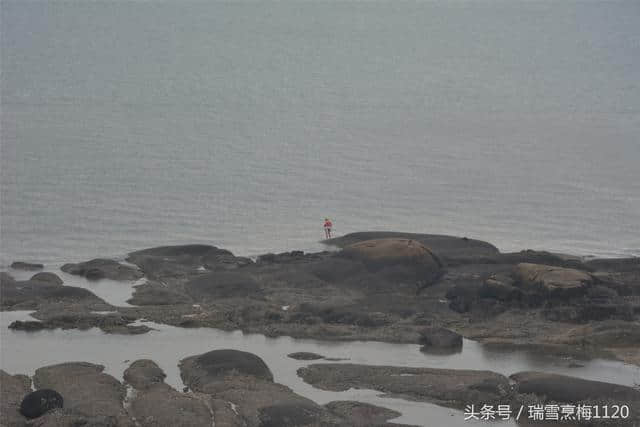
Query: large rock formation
point(156, 404)
point(86, 390)
point(452, 250)
point(32, 294)
point(186, 260)
point(245, 381)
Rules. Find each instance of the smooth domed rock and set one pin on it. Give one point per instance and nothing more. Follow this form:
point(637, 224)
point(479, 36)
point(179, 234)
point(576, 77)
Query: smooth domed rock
point(38, 402)
point(550, 280)
point(399, 260)
point(436, 338)
point(218, 364)
point(19, 265)
point(391, 250)
point(143, 374)
point(47, 277)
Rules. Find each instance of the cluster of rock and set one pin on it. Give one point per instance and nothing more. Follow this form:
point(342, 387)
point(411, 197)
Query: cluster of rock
point(381, 286)
point(225, 388)
point(459, 388)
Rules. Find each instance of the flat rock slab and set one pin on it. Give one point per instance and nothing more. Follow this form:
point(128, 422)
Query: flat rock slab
point(101, 268)
point(20, 265)
point(363, 414)
point(303, 355)
point(566, 389)
point(86, 389)
point(12, 389)
point(448, 387)
point(551, 280)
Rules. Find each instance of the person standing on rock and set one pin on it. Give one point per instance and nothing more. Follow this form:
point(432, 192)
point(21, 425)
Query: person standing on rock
point(327, 228)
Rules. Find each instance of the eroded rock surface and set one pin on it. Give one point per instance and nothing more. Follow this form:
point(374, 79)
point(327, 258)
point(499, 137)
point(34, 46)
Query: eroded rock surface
point(12, 389)
point(448, 387)
point(86, 390)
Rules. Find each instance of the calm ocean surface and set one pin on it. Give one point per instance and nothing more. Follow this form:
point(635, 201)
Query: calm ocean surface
point(129, 124)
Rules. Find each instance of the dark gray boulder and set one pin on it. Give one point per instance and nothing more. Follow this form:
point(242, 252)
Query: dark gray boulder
point(40, 401)
point(440, 339)
point(218, 364)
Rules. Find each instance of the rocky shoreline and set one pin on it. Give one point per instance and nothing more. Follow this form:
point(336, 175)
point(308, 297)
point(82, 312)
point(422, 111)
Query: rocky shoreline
point(379, 286)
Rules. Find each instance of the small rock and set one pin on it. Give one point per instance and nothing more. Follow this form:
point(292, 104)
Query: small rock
point(19, 265)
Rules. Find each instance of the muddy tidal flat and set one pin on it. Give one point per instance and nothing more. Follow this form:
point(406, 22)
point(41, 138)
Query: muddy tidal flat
point(382, 328)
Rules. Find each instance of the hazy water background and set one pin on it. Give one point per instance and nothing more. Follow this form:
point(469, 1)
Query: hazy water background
point(128, 124)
